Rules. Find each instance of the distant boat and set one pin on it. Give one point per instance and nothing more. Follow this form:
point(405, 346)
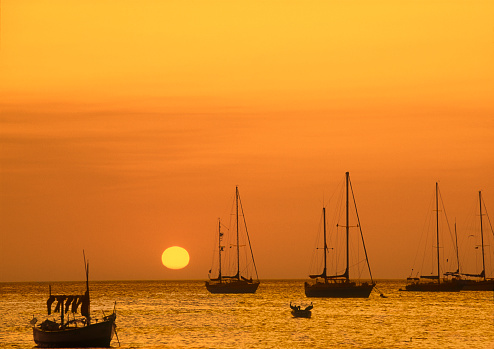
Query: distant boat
point(480, 282)
point(74, 333)
point(238, 282)
point(449, 282)
point(340, 286)
point(297, 311)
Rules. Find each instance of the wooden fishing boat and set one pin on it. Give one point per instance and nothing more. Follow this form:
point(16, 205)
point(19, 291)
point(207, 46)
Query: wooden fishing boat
point(80, 332)
point(448, 281)
point(54, 335)
point(240, 282)
point(340, 286)
point(297, 311)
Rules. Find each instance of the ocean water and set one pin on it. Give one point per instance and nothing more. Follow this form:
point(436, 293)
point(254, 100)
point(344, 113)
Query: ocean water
point(182, 314)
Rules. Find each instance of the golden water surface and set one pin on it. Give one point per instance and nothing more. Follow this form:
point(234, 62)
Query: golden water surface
point(182, 314)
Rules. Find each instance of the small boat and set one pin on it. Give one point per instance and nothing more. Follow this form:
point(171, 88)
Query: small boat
point(479, 282)
point(340, 285)
point(297, 311)
point(241, 281)
point(450, 281)
point(81, 332)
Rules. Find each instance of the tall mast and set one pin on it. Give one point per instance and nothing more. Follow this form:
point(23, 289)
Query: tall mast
point(325, 245)
point(437, 235)
point(86, 266)
point(457, 255)
point(62, 311)
point(482, 234)
point(238, 245)
point(347, 274)
point(219, 247)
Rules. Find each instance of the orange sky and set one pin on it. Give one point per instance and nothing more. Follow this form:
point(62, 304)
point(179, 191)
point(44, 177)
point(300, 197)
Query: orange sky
point(125, 126)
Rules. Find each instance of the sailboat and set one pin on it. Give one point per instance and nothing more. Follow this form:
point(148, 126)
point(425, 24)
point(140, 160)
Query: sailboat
point(480, 282)
point(450, 282)
point(77, 332)
point(239, 282)
point(340, 286)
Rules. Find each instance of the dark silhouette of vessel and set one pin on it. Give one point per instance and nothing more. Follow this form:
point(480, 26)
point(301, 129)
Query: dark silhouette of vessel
point(236, 283)
point(75, 333)
point(297, 311)
point(479, 282)
point(340, 286)
point(450, 282)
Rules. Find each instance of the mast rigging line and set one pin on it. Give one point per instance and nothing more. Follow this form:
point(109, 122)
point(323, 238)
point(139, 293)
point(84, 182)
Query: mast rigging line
point(213, 257)
point(424, 236)
point(488, 218)
point(449, 230)
point(248, 237)
point(360, 226)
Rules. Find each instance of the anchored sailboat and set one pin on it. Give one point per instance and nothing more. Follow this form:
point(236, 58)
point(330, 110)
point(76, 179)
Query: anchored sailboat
point(240, 282)
point(480, 282)
point(340, 286)
point(450, 282)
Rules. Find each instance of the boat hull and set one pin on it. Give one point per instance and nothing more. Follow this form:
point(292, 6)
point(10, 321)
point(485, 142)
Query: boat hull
point(451, 286)
point(95, 335)
point(302, 313)
point(483, 285)
point(232, 287)
point(338, 290)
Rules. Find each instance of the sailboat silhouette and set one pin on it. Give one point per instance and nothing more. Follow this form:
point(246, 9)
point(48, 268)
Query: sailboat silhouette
point(340, 286)
point(237, 283)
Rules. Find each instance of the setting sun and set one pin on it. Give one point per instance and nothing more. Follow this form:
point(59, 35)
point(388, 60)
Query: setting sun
point(175, 257)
